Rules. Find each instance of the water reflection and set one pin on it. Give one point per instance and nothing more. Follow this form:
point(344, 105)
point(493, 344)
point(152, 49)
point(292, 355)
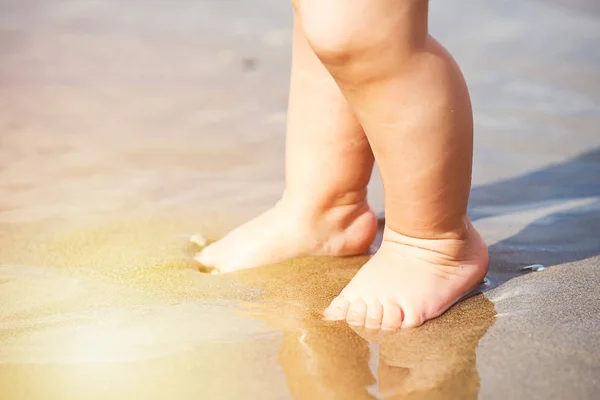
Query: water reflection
point(332, 361)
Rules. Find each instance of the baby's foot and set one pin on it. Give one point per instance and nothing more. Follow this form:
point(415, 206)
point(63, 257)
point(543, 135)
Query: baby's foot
point(409, 281)
point(289, 230)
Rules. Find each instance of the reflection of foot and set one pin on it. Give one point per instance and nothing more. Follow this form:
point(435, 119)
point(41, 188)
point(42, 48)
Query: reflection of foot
point(288, 231)
point(439, 357)
point(409, 281)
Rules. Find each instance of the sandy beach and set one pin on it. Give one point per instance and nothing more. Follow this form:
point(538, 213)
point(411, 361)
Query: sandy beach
point(127, 127)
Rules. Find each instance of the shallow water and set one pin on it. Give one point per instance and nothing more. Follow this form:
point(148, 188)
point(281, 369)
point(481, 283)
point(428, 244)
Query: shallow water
point(124, 129)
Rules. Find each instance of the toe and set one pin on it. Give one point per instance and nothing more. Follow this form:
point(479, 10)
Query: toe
point(374, 315)
point(392, 316)
point(337, 310)
point(357, 313)
point(412, 320)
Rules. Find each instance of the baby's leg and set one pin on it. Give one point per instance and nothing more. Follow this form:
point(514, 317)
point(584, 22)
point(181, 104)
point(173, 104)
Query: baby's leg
point(412, 101)
point(324, 209)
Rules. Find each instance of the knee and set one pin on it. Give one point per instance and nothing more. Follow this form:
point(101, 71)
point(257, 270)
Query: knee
point(336, 34)
point(341, 33)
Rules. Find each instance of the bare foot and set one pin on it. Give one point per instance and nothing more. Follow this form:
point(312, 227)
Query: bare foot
point(409, 281)
point(289, 230)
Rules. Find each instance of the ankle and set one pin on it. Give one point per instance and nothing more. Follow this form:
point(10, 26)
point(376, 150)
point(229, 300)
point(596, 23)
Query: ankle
point(332, 213)
point(461, 243)
point(312, 205)
point(341, 216)
point(459, 229)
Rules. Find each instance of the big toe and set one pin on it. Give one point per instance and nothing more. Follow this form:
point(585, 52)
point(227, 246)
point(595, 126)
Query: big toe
point(392, 316)
point(208, 256)
point(413, 318)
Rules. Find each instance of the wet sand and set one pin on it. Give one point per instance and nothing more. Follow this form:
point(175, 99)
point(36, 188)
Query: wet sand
point(126, 128)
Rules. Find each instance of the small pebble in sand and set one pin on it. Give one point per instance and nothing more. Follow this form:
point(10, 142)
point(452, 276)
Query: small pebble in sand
point(249, 64)
point(199, 240)
point(534, 268)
